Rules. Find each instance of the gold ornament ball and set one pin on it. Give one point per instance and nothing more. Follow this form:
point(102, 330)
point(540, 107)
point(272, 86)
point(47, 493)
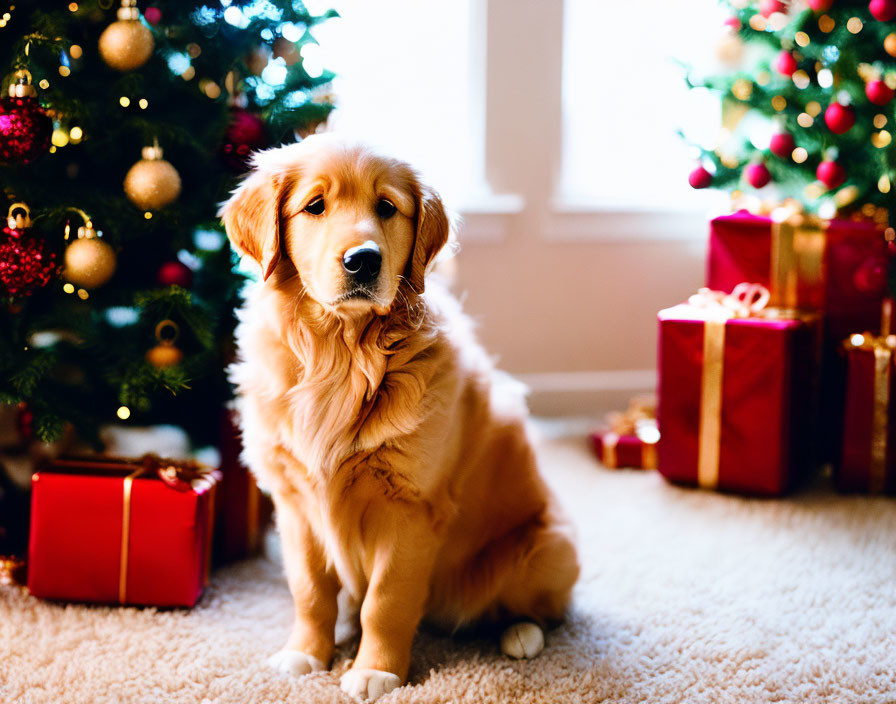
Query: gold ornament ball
point(164, 355)
point(89, 262)
point(126, 45)
point(890, 44)
point(152, 184)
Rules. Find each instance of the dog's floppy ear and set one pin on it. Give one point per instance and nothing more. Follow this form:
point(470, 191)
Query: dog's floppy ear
point(432, 232)
point(252, 217)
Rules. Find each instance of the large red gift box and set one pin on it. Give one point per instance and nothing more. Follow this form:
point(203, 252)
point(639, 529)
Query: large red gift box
point(836, 267)
point(868, 458)
point(121, 531)
point(735, 400)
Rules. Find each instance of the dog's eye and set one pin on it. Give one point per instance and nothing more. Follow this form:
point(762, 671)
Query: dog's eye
point(316, 206)
point(385, 209)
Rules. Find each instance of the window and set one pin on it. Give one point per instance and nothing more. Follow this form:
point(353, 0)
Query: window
point(408, 82)
point(624, 97)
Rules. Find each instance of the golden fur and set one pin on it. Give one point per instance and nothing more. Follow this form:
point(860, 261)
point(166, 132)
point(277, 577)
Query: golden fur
point(398, 460)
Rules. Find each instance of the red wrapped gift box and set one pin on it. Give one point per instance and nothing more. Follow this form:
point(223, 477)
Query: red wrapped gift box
point(735, 400)
point(868, 459)
point(242, 511)
point(614, 450)
point(121, 531)
point(837, 267)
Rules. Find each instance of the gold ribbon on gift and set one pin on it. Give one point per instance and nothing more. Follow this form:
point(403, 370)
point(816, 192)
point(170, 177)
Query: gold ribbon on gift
point(746, 300)
point(797, 271)
point(882, 347)
point(180, 475)
point(798, 248)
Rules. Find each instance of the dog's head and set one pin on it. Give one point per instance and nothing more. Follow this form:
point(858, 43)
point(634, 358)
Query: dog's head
point(355, 225)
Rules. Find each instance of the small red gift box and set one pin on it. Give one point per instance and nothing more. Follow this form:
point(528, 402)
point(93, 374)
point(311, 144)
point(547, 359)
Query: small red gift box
point(735, 399)
point(614, 450)
point(868, 458)
point(121, 531)
point(836, 267)
point(242, 511)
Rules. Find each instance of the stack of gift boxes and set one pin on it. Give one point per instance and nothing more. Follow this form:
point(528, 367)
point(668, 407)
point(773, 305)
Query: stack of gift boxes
point(780, 365)
point(140, 531)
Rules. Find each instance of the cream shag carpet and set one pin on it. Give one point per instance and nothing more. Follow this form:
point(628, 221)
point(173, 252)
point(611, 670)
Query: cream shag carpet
point(686, 596)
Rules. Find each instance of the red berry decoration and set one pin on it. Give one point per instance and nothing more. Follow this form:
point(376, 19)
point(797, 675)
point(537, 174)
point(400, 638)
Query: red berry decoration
point(819, 6)
point(882, 10)
point(839, 118)
point(830, 173)
point(700, 178)
point(153, 15)
point(879, 92)
point(26, 263)
point(768, 7)
point(757, 175)
point(785, 63)
point(782, 144)
point(733, 23)
point(25, 129)
point(247, 133)
point(871, 275)
point(175, 273)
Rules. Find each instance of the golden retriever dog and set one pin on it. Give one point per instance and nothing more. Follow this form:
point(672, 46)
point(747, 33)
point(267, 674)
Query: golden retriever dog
point(397, 459)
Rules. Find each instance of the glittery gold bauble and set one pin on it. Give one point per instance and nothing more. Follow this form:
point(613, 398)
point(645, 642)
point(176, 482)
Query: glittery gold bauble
point(164, 355)
point(890, 44)
point(126, 44)
point(152, 182)
point(89, 262)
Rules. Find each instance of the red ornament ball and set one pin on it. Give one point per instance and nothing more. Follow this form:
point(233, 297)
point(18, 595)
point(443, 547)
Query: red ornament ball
point(153, 15)
point(25, 421)
point(820, 5)
point(830, 173)
point(782, 144)
point(757, 175)
point(733, 23)
point(785, 63)
point(700, 178)
point(247, 133)
point(25, 130)
point(175, 273)
point(26, 263)
point(882, 10)
point(879, 92)
point(839, 118)
point(871, 275)
point(768, 7)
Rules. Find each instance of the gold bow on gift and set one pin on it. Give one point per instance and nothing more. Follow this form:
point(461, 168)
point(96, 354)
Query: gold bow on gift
point(745, 301)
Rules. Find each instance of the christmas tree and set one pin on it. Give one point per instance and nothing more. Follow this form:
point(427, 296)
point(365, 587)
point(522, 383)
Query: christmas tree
point(808, 105)
point(121, 130)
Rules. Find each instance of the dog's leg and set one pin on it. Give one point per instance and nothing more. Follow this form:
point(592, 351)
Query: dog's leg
point(393, 607)
point(314, 588)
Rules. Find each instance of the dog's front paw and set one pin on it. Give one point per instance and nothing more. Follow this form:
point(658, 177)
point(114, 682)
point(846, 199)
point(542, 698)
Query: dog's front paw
point(522, 640)
point(295, 662)
point(368, 684)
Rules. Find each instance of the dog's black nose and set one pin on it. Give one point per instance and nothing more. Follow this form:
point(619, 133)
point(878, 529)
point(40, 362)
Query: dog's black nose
point(362, 263)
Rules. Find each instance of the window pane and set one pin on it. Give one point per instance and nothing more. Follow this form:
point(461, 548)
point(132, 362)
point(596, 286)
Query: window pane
point(624, 98)
point(405, 83)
